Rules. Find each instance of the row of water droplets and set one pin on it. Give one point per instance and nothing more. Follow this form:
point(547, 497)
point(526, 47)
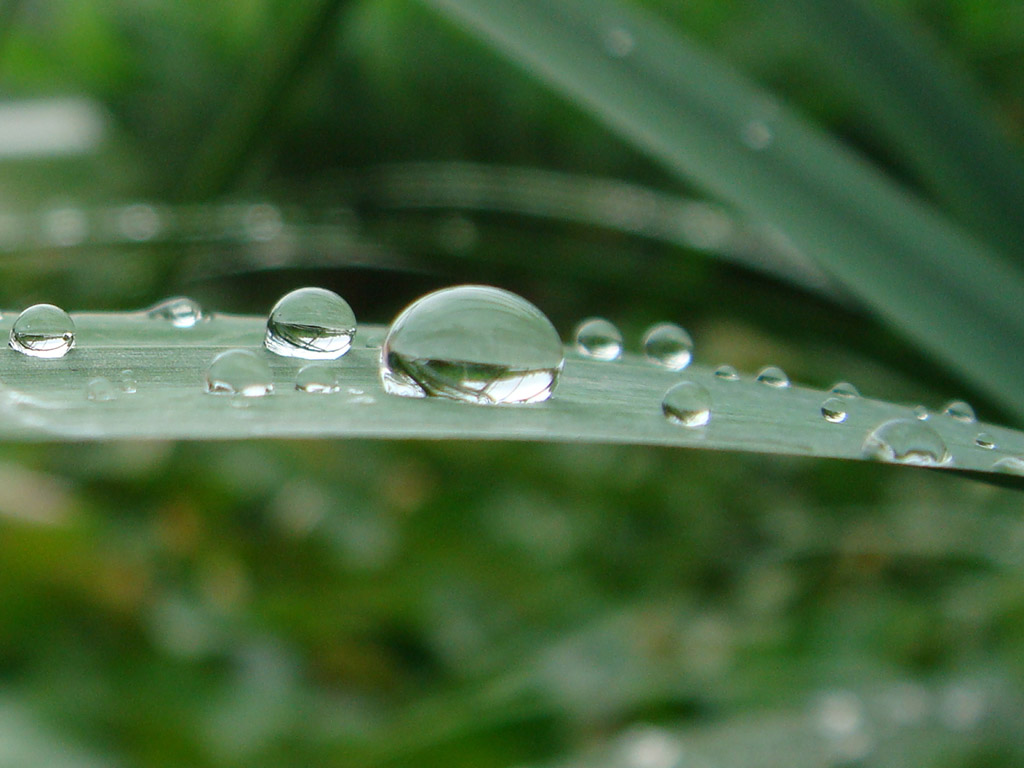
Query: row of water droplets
point(483, 345)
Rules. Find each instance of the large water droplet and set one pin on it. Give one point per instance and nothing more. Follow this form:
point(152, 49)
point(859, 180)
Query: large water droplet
point(985, 440)
point(43, 331)
point(687, 404)
point(239, 372)
point(844, 389)
point(669, 345)
point(773, 376)
point(180, 311)
point(961, 411)
point(472, 343)
point(599, 339)
point(100, 390)
point(317, 378)
point(1010, 465)
point(834, 410)
point(906, 441)
point(311, 323)
point(727, 373)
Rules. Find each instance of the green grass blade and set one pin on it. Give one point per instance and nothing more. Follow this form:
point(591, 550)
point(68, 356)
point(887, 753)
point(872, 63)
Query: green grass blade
point(596, 402)
point(932, 281)
point(929, 114)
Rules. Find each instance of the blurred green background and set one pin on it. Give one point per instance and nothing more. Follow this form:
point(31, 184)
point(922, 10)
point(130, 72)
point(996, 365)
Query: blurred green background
point(467, 604)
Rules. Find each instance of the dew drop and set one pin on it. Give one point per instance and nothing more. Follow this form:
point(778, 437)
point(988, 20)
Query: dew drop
point(180, 311)
point(961, 411)
point(985, 440)
point(834, 410)
point(906, 441)
point(599, 339)
point(757, 135)
point(669, 345)
point(128, 384)
point(844, 389)
point(43, 331)
point(921, 413)
point(239, 372)
point(310, 323)
point(1010, 465)
point(100, 390)
point(773, 376)
point(138, 222)
point(687, 404)
point(317, 379)
point(472, 343)
point(727, 373)
point(262, 222)
point(65, 227)
point(619, 42)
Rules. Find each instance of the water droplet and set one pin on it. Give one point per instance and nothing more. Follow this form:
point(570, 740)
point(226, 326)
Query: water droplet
point(65, 227)
point(669, 345)
point(128, 384)
point(687, 404)
point(773, 376)
point(985, 440)
point(906, 441)
point(239, 372)
point(138, 222)
point(619, 42)
point(262, 222)
point(757, 135)
point(43, 331)
point(100, 390)
point(921, 413)
point(310, 323)
point(727, 373)
point(844, 389)
point(472, 343)
point(599, 339)
point(1010, 465)
point(834, 410)
point(180, 311)
point(317, 378)
point(961, 411)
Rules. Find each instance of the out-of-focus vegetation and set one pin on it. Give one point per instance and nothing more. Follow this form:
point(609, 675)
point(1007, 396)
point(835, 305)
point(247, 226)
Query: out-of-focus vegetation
point(372, 604)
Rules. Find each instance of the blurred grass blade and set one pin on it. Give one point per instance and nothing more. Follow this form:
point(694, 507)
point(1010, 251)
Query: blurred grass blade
point(941, 288)
point(929, 114)
point(131, 376)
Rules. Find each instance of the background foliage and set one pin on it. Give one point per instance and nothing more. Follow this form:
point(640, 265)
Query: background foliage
point(361, 603)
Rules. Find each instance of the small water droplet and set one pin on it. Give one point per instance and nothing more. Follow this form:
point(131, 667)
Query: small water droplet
point(128, 384)
point(317, 379)
point(844, 389)
point(138, 222)
point(906, 441)
point(985, 440)
point(669, 345)
point(727, 373)
point(310, 323)
point(65, 227)
point(619, 42)
point(472, 343)
point(239, 372)
point(921, 413)
point(179, 311)
point(961, 411)
point(262, 222)
point(43, 331)
point(773, 376)
point(687, 404)
point(1010, 465)
point(599, 339)
point(757, 135)
point(834, 410)
point(100, 390)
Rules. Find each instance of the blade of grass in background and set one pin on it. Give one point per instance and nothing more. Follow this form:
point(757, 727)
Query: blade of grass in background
point(928, 114)
point(932, 281)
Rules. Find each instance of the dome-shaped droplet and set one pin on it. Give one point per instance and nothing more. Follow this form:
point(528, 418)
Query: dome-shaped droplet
point(921, 413)
point(310, 323)
point(239, 372)
point(961, 411)
point(773, 376)
point(687, 404)
point(844, 389)
point(179, 311)
point(727, 373)
point(906, 441)
point(985, 440)
point(1010, 465)
point(473, 343)
point(599, 339)
point(834, 410)
point(100, 389)
point(43, 331)
point(669, 345)
point(128, 383)
point(317, 378)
